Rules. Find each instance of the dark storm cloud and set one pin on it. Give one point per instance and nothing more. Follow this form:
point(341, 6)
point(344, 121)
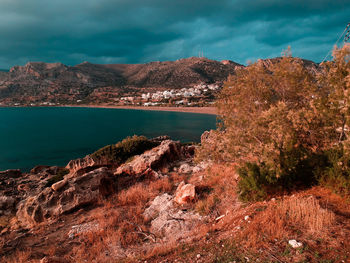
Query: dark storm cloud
point(131, 31)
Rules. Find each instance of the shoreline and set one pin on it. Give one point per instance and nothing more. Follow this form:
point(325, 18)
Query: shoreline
point(199, 110)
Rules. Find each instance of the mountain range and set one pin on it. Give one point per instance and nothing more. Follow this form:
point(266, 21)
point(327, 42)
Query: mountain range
point(58, 83)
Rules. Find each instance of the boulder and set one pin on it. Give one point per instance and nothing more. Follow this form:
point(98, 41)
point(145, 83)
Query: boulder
point(65, 196)
point(295, 244)
point(169, 222)
point(159, 157)
point(185, 193)
point(174, 224)
point(160, 203)
point(59, 185)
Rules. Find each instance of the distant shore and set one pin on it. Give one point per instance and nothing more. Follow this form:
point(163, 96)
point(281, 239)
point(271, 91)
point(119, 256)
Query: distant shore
point(201, 110)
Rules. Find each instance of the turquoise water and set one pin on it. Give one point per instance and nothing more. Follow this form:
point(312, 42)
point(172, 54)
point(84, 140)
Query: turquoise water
point(53, 136)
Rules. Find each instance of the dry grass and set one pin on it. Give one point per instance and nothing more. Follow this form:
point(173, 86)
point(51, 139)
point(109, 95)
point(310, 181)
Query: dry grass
point(307, 213)
point(287, 218)
point(139, 194)
point(217, 192)
point(19, 257)
point(159, 250)
point(121, 221)
point(135, 195)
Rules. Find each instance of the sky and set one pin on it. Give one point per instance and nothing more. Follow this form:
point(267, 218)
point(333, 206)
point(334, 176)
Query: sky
point(139, 31)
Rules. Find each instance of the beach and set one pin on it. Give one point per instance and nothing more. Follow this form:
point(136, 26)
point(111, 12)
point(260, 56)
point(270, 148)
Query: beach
point(201, 110)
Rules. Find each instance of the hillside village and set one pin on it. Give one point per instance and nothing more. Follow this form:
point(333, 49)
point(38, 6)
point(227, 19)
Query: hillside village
point(197, 96)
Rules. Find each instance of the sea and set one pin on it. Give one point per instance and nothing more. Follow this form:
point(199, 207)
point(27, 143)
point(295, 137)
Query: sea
point(55, 135)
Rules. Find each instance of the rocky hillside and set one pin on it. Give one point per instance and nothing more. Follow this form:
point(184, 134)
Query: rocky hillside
point(161, 206)
point(55, 82)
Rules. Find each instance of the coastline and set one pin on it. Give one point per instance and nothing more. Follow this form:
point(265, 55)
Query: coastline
point(200, 110)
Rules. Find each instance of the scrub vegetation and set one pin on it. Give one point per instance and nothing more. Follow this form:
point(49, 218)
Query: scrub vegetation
point(286, 126)
point(120, 152)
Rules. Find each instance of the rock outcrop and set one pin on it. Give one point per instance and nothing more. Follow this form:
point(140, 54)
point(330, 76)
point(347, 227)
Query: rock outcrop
point(65, 196)
point(75, 165)
point(169, 222)
point(151, 161)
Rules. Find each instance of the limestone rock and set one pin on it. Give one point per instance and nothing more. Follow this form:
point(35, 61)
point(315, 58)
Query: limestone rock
point(185, 193)
point(168, 221)
point(77, 164)
point(174, 224)
point(68, 196)
point(154, 159)
point(59, 185)
point(201, 166)
point(295, 244)
point(83, 228)
point(185, 168)
point(160, 203)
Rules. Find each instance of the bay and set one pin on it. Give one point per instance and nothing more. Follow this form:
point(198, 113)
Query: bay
point(56, 135)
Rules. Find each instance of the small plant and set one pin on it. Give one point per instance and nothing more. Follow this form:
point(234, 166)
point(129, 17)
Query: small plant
point(287, 251)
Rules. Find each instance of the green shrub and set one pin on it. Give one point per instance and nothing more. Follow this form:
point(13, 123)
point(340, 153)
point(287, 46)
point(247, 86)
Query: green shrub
point(258, 180)
point(58, 177)
point(337, 173)
point(122, 151)
point(253, 182)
